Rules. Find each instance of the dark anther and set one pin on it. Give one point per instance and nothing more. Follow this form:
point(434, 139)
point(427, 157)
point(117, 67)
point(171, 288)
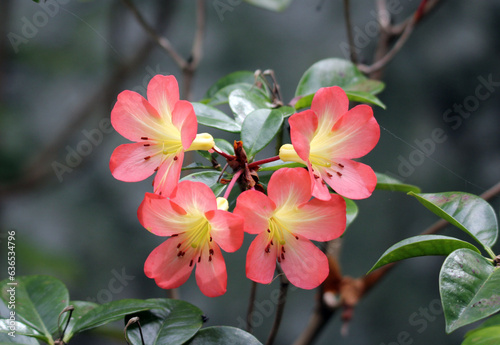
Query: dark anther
point(282, 256)
point(147, 157)
point(210, 258)
point(328, 174)
point(156, 169)
point(176, 158)
point(316, 176)
point(340, 165)
point(144, 138)
point(147, 145)
point(179, 245)
point(211, 251)
point(269, 231)
point(191, 263)
point(340, 174)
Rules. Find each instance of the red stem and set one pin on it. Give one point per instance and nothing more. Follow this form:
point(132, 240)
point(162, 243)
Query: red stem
point(223, 154)
point(263, 161)
point(231, 184)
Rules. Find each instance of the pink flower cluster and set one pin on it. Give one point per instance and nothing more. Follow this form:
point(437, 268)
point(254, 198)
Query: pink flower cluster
point(298, 206)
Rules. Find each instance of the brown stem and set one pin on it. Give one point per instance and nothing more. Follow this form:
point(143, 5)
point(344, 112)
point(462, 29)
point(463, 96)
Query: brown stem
point(251, 301)
point(162, 41)
point(280, 308)
point(350, 37)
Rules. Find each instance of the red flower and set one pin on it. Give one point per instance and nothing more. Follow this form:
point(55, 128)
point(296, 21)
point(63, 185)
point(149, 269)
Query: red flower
point(285, 221)
point(327, 137)
point(196, 228)
point(163, 128)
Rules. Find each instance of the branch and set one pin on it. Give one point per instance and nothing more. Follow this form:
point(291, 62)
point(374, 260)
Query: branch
point(251, 301)
point(350, 37)
point(280, 308)
point(403, 30)
point(162, 41)
point(196, 51)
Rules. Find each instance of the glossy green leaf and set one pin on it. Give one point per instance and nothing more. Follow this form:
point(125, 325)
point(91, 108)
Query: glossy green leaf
point(173, 322)
point(353, 96)
point(209, 178)
point(196, 166)
point(244, 102)
point(109, 312)
point(286, 111)
point(225, 146)
point(386, 182)
point(19, 328)
point(468, 212)
point(271, 5)
point(276, 165)
point(483, 336)
point(212, 117)
point(6, 339)
point(259, 129)
point(223, 335)
point(222, 96)
point(422, 245)
point(246, 77)
point(351, 211)
point(468, 284)
point(491, 322)
point(335, 71)
point(80, 309)
point(39, 300)
point(364, 97)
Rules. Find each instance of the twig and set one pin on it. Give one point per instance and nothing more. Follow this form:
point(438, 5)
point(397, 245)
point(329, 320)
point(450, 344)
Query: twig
point(280, 308)
point(403, 31)
point(196, 51)
point(162, 41)
point(352, 49)
point(251, 301)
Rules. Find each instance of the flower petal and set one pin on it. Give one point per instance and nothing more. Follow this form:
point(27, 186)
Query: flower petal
point(356, 133)
point(128, 162)
point(318, 186)
point(316, 220)
point(304, 265)
point(289, 187)
point(163, 94)
point(329, 104)
point(168, 270)
point(168, 174)
point(184, 118)
point(135, 118)
point(256, 209)
point(194, 197)
point(303, 125)
point(227, 229)
point(158, 215)
point(211, 275)
point(260, 265)
point(356, 182)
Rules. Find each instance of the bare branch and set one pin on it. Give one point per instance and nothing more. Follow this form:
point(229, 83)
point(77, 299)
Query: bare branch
point(162, 41)
point(352, 49)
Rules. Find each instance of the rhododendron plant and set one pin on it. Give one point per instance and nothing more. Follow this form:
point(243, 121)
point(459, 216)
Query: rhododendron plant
point(163, 128)
point(197, 228)
point(285, 221)
point(327, 137)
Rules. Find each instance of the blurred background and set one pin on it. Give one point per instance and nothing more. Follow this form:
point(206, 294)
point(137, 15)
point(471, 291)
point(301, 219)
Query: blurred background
point(62, 66)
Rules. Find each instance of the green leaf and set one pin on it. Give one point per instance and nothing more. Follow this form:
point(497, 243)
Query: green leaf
point(80, 309)
point(468, 212)
point(212, 117)
point(492, 322)
point(468, 284)
point(334, 71)
point(340, 72)
point(225, 146)
point(354, 96)
point(389, 183)
point(6, 339)
point(286, 111)
point(244, 102)
point(209, 178)
point(172, 322)
point(422, 245)
point(246, 77)
point(39, 300)
point(276, 165)
point(483, 336)
point(351, 211)
point(109, 312)
point(259, 128)
point(364, 97)
point(195, 166)
point(271, 5)
point(223, 335)
point(222, 96)
point(19, 328)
